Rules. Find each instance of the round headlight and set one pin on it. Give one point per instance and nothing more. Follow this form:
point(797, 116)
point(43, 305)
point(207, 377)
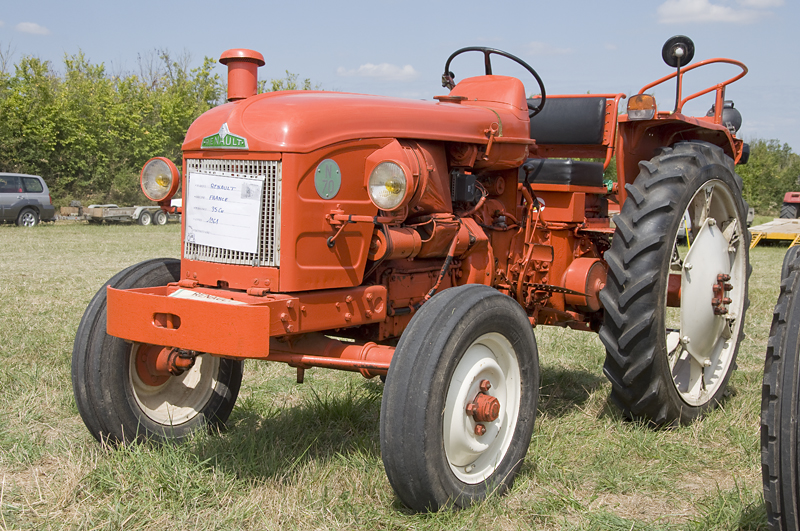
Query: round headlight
point(160, 179)
point(388, 185)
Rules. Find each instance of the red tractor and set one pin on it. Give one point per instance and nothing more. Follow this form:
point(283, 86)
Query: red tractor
point(423, 242)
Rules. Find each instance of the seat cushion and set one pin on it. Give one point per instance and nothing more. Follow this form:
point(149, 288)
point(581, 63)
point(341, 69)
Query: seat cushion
point(569, 121)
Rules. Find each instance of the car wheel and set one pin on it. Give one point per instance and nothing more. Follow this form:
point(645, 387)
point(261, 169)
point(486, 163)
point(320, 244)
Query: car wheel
point(27, 218)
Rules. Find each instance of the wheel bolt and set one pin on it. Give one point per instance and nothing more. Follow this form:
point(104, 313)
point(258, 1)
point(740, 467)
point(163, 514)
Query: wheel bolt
point(485, 385)
point(480, 429)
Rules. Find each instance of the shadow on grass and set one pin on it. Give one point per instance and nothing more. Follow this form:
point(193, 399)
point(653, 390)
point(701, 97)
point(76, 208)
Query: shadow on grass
point(262, 442)
point(270, 442)
point(564, 390)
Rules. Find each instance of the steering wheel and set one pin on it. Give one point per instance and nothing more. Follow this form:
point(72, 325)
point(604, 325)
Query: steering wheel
point(448, 78)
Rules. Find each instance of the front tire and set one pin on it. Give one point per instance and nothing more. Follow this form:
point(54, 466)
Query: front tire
point(116, 402)
point(670, 364)
point(145, 218)
point(780, 404)
point(433, 450)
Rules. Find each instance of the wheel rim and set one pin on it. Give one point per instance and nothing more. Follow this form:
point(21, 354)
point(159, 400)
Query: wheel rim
point(28, 219)
point(145, 218)
point(700, 344)
point(473, 458)
point(179, 399)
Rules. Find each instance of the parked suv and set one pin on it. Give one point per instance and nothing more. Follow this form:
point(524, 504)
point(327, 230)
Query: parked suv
point(25, 199)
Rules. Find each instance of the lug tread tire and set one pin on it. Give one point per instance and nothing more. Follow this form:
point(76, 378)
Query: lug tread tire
point(633, 298)
point(418, 378)
point(789, 211)
point(780, 404)
point(100, 365)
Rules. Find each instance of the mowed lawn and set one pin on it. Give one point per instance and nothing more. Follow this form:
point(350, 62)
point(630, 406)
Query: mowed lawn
point(307, 456)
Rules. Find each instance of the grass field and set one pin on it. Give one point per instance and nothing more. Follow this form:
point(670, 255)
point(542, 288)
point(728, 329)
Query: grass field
point(307, 456)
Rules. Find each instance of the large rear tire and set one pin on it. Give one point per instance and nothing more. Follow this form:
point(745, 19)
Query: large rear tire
point(780, 404)
point(469, 346)
point(116, 403)
point(789, 211)
point(670, 364)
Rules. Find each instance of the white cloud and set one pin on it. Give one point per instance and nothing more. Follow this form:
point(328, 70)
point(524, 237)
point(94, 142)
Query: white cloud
point(683, 11)
point(761, 4)
point(542, 48)
point(383, 71)
point(33, 28)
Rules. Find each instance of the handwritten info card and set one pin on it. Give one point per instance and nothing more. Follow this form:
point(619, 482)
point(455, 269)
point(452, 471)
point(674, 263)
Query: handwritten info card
point(223, 212)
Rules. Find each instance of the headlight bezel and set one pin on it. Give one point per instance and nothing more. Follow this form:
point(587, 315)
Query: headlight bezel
point(147, 179)
point(386, 171)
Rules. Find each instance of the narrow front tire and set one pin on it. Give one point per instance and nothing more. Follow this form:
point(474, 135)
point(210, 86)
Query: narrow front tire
point(460, 399)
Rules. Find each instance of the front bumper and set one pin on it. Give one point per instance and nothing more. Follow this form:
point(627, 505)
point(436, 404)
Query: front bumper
point(233, 323)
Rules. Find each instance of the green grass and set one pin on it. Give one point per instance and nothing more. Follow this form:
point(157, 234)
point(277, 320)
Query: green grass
point(308, 457)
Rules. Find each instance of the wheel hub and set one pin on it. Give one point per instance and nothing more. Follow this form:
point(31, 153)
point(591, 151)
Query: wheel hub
point(484, 408)
point(155, 364)
point(702, 320)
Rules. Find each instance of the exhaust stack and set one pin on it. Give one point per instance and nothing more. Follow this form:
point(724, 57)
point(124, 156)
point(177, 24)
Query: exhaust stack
point(242, 72)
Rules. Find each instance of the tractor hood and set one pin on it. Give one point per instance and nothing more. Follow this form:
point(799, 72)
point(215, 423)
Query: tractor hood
point(303, 121)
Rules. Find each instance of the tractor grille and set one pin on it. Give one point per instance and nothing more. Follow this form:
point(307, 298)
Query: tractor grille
point(269, 232)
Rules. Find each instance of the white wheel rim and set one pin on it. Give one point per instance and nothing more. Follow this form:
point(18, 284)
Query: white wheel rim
point(28, 219)
point(179, 399)
point(474, 458)
point(701, 345)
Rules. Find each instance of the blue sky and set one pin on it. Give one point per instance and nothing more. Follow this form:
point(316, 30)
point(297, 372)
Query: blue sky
point(398, 48)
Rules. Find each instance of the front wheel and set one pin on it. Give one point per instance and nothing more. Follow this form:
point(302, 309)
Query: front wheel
point(460, 399)
point(145, 218)
point(674, 313)
point(116, 395)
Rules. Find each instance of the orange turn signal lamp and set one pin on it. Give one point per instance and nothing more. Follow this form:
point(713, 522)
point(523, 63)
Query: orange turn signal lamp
point(641, 107)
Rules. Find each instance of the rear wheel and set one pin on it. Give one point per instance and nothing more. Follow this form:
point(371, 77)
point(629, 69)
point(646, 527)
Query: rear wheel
point(780, 405)
point(674, 314)
point(160, 217)
point(789, 210)
point(118, 398)
point(27, 218)
point(145, 218)
point(460, 399)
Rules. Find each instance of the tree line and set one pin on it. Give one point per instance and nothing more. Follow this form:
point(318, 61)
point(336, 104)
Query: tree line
point(88, 131)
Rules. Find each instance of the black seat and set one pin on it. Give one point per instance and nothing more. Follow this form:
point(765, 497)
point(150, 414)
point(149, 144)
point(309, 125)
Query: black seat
point(569, 121)
point(560, 171)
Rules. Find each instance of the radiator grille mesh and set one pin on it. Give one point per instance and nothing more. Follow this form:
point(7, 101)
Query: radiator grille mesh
point(269, 231)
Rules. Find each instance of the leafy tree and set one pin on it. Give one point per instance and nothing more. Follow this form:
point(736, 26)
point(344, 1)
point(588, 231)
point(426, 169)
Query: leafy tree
point(773, 170)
